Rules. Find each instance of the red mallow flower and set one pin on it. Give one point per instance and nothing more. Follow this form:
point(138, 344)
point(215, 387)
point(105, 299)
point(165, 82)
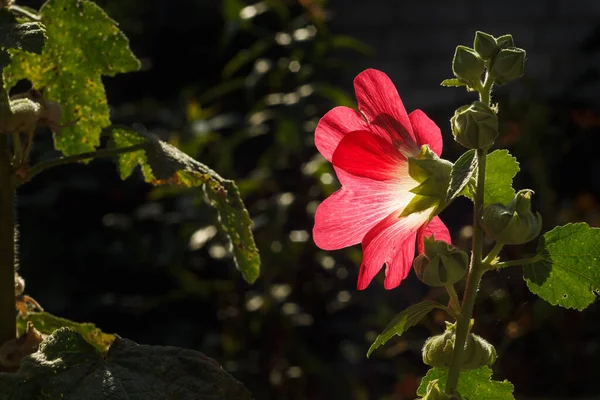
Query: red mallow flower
point(369, 151)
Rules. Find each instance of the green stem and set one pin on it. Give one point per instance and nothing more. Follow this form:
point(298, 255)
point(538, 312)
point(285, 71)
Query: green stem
point(493, 254)
point(44, 165)
point(477, 268)
point(523, 261)
point(454, 302)
point(8, 327)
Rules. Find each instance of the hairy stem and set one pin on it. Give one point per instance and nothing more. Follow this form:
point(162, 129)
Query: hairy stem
point(523, 261)
point(477, 267)
point(44, 165)
point(493, 254)
point(8, 327)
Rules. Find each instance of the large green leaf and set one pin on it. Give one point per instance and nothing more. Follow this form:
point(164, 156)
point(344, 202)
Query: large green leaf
point(165, 164)
point(404, 320)
point(83, 44)
point(473, 384)
point(47, 323)
point(500, 170)
point(568, 272)
point(462, 172)
point(67, 367)
point(27, 36)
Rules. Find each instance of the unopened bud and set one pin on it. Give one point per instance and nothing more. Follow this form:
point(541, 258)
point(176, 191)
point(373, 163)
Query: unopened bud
point(467, 65)
point(485, 45)
point(509, 65)
point(478, 353)
point(475, 126)
point(441, 263)
point(514, 223)
point(505, 41)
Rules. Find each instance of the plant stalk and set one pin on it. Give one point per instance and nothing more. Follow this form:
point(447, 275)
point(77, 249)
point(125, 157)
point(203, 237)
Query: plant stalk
point(477, 267)
point(8, 327)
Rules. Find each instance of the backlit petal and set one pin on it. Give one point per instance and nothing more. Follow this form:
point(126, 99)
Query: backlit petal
point(426, 131)
point(390, 242)
point(334, 125)
point(362, 153)
point(345, 217)
point(436, 228)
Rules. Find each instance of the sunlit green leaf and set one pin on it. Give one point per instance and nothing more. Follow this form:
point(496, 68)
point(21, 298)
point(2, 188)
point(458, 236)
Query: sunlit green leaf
point(453, 82)
point(126, 162)
point(461, 174)
point(83, 45)
point(27, 36)
point(165, 164)
point(67, 367)
point(47, 323)
point(403, 321)
point(568, 272)
point(473, 384)
point(500, 170)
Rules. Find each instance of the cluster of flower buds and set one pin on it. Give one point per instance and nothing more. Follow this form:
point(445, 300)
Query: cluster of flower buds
point(441, 263)
point(438, 350)
point(514, 223)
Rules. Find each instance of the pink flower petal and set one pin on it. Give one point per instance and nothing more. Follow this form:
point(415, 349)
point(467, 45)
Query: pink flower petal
point(426, 131)
point(436, 228)
point(334, 125)
point(344, 218)
point(376, 94)
point(362, 153)
point(390, 242)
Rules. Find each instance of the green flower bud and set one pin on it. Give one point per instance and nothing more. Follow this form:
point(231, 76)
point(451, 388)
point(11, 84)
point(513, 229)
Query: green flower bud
point(467, 65)
point(505, 41)
point(434, 392)
point(475, 126)
point(433, 175)
point(478, 353)
point(509, 65)
point(441, 263)
point(438, 350)
point(514, 223)
point(485, 45)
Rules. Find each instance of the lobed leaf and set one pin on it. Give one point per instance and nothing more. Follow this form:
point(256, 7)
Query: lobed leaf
point(500, 170)
point(66, 366)
point(83, 45)
point(47, 323)
point(165, 164)
point(568, 272)
point(403, 321)
point(475, 384)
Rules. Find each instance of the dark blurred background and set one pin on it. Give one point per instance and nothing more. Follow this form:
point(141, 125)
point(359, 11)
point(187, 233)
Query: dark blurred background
point(241, 86)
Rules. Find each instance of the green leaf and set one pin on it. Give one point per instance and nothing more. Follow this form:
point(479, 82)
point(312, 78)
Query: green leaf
point(126, 162)
point(453, 82)
point(28, 36)
point(461, 174)
point(568, 272)
point(475, 384)
point(47, 323)
point(83, 45)
point(500, 170)
point(67, 367)
point(165, 164)
point(401, 322)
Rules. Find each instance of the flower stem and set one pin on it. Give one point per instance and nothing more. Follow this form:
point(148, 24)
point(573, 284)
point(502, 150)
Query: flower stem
point(477, 267)
point(44, 165)
point(8, 327)
point(454, 302)
point(523, 261)
point(493, 254)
